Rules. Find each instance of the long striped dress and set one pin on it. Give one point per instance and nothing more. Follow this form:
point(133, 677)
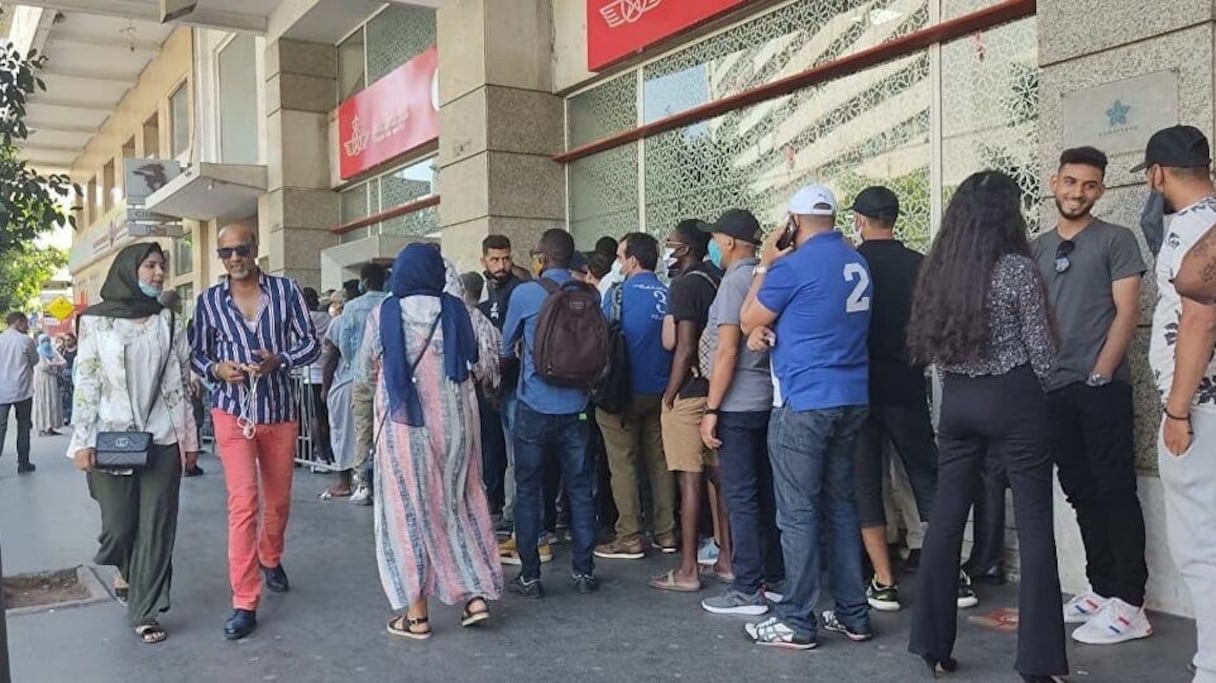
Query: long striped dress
point(432, 522)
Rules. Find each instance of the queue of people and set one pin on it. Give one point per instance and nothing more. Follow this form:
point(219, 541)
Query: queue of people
point(725, 382)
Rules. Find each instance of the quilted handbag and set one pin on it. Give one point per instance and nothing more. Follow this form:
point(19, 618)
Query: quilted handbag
point(128, 450)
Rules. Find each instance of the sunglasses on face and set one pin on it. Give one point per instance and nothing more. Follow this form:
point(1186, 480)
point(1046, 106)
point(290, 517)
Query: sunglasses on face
point(1062, 253)
point(240, 250)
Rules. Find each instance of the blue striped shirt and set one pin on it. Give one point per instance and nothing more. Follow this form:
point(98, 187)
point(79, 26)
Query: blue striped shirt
point(283, 326)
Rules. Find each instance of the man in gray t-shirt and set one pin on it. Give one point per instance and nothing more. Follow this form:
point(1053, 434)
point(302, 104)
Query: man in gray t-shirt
point(736, 421)
point(1091, 270)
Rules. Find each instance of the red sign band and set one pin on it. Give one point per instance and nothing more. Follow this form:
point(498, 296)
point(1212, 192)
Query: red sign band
point(620, 28)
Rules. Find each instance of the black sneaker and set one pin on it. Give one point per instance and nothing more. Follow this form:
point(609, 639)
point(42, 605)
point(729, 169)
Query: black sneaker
point(586, 584)
point(833, 624)
point(966, 595)
point(882, 597)
point(524, 588)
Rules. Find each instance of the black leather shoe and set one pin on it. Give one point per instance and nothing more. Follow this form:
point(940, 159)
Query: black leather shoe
point(276, 579)
point(240, 624)
point(994, 576)
point(26, 468)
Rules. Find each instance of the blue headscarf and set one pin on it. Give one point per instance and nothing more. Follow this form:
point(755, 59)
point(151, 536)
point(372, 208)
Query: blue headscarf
point(45, 348)
point(419, 271)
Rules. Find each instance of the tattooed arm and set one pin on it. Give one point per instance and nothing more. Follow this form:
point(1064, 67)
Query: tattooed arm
point(1196, 278)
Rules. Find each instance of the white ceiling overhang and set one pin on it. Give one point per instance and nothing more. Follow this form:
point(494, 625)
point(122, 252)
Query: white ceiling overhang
point(210, 191)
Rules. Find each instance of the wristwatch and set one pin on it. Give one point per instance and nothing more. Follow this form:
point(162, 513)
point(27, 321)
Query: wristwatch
point(1097, 379)
point(713, 411)
point(760, 270)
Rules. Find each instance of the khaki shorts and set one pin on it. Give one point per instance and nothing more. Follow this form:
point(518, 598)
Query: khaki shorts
point(682, 443)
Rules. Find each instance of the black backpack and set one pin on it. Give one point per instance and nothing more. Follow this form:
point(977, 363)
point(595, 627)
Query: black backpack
point(612, 393)
point(571, 348)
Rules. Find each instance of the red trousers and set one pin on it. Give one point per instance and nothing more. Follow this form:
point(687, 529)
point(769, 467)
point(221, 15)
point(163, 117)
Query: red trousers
point(255, 538)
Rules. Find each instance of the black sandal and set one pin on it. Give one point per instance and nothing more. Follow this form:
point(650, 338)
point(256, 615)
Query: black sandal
point(470, 618)
point(404, 626)
point(151, 634)
point(121, 593)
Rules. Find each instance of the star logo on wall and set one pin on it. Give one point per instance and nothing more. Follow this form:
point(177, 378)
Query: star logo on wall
point(1117, 114)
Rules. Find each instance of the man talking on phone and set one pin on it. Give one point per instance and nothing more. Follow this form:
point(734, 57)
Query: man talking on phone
point(810, 299)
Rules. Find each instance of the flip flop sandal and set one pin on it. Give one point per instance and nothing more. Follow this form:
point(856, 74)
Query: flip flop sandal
point(667, 582)
point(470, 618)
point(121, 594)
point(708, 572)
point(404, 627)
point(151, 634)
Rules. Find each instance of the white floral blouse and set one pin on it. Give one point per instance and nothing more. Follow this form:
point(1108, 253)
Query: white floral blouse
point(116, 367)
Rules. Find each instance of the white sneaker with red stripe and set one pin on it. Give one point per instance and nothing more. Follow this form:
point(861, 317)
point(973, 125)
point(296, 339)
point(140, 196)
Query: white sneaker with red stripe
point(1118, 622)
point(1083, 607)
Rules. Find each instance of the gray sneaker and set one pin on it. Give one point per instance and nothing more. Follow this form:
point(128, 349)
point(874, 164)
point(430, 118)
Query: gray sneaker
point(732, 601)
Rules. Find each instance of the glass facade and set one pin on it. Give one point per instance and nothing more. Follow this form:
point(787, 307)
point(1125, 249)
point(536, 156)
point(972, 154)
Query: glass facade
point(879, 126)
point(387, 191)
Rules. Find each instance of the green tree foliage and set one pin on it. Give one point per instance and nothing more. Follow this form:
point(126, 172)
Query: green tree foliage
point(23, 270)
point(30, 203)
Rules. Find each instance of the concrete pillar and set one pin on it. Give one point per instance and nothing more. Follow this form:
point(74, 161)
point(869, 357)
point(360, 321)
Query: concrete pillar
point(498, 125)
point(298, 209)
point(1085, 44)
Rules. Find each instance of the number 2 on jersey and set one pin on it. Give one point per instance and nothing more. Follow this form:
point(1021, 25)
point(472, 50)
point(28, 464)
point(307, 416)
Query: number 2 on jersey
point(857, 301)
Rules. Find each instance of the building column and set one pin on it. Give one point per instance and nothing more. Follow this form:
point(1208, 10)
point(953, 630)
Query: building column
point(299, 208)
point(1089, 50)
point(499, 125)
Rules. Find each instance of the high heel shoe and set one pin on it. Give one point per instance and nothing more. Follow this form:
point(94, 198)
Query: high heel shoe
point(938, 667)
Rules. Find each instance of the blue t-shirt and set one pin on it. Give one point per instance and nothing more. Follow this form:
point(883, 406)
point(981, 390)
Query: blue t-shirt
point(643, 305)
point(522, 311)
point(822, 296)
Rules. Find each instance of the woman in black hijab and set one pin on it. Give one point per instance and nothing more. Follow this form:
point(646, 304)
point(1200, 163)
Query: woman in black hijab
point(131, 370)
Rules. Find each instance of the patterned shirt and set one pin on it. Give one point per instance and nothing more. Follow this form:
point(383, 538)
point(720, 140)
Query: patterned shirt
point(1187, 226)
point(1019, 329)
point(351, 326)
point(283, 326)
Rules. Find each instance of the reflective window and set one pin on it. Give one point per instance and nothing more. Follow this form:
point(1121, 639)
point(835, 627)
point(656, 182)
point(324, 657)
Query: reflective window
point(179, 120)
point(238, 101)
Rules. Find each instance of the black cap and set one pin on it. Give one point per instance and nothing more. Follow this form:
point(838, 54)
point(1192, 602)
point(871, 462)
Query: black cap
point(737, 223)
point(877, 202)
point(578, 262)
point(1176, 147)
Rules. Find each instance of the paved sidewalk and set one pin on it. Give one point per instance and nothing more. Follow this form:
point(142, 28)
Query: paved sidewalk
point(331, 626)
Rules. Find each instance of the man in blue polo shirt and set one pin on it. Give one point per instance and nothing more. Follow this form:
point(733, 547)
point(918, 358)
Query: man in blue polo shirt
point(633, 439)
point(551, 419)
point(810, 301)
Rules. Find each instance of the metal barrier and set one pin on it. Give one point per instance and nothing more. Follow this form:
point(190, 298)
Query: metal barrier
point(307, 450)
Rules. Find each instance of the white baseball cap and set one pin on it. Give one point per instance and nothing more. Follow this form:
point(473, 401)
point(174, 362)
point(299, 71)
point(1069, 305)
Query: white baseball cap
point(813, 200)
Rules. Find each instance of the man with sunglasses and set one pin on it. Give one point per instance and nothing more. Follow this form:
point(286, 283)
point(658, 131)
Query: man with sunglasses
point(1092, 272)
point(251, 329)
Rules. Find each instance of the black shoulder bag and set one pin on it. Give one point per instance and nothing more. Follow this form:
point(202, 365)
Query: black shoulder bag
point(129, 450)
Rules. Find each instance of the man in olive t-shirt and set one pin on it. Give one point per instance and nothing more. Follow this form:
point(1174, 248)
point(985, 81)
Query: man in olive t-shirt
point(1092, 272)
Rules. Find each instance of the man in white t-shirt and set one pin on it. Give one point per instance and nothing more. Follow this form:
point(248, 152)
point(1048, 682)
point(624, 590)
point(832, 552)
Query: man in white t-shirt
point(1177, 164)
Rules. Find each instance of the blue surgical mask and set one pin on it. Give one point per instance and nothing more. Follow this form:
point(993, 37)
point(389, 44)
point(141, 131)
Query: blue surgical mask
point(715, 254)
point(149, 291)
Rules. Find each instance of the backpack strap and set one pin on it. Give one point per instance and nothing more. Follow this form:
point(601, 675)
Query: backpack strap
point(550, 285)
point(712, 280)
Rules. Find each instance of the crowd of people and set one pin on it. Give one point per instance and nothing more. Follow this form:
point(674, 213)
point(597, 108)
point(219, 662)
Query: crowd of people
point(767, 392)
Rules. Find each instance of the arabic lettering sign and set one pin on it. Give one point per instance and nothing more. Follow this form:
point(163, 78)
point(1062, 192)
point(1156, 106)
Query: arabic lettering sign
point(619, 28)
point(1120, 117)
point(394, 115)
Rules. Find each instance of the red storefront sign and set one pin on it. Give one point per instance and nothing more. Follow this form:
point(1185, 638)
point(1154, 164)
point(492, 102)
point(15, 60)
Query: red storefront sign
point(394, 115)
point(620, 28)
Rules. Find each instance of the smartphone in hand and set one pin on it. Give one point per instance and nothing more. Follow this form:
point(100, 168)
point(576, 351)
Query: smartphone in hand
point(787, 236)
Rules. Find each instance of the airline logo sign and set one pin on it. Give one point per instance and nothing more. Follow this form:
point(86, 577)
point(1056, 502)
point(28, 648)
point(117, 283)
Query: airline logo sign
point(394, 115)
point(617, 29)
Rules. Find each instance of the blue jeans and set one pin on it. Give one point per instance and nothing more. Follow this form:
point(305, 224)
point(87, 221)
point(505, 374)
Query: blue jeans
point(565, 436)
point(747, 486)
point(812, 454)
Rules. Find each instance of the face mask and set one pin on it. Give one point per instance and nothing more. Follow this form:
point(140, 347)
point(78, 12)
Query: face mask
point(715, 254)
point(669, 258)
point(617, 272)
point(149, 291)
point(1152, 221)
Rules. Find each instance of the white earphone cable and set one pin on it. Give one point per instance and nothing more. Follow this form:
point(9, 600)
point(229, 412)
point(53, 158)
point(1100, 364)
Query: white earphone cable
point(247, 420)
